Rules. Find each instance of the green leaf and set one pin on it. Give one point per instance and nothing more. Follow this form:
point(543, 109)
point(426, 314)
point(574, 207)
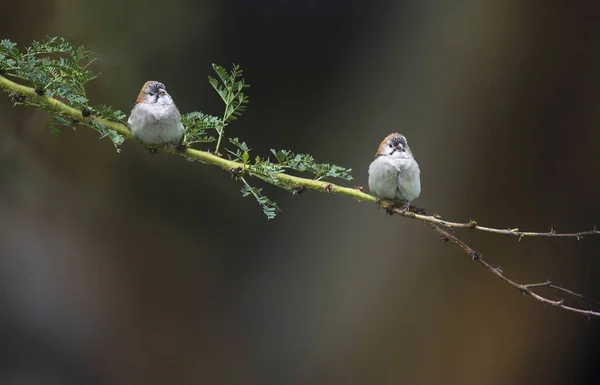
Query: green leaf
point(229, 86)
point(196, 124)
point(241, 145)
point(306, 163)
point(269, 207)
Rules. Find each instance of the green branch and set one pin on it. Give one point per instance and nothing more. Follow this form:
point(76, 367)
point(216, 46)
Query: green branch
point(52, 105)
point(279, 179)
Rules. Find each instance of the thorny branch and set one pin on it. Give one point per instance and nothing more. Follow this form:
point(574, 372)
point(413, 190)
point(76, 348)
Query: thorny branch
point(417, 213)
point(514, 232)
point(19, 92)
point(525, 289)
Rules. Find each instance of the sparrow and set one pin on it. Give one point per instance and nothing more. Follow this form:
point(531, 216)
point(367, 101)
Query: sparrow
point(155, 118)
point(395, 174)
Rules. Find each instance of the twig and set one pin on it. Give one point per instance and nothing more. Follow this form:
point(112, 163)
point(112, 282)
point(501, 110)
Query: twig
point(514, 232)
point(525, 289)
point(472, 225)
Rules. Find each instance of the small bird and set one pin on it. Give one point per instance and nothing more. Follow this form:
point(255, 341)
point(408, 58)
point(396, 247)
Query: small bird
point(395, 174)
point(155, 118)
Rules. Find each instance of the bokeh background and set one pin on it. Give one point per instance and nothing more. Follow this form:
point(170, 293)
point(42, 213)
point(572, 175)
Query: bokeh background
point(138, 269)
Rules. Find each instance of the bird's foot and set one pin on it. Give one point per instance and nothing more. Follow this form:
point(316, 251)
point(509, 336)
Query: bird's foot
point(407, 207)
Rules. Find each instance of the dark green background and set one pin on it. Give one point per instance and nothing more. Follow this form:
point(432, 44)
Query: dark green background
point(137, 269)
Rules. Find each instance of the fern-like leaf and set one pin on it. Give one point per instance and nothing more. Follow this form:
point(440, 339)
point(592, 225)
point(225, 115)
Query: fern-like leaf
point(306, 163)
point(196, 124)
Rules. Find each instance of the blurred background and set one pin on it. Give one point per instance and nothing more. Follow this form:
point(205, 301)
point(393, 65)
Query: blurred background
point(138, 269)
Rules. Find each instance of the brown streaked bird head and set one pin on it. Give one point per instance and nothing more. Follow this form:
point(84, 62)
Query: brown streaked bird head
point(151, 91)
point(394, 145)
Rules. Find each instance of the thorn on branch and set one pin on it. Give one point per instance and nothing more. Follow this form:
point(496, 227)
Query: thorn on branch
point(235, 171)
point(16, 98)
point(437, 216)
point(298, 190)
point(85, 112)
point(524, 290)
point(329, 187)
point(499, 270)
point(444, 239)
point(39, 91)
point(475, 255)
point(359, 188)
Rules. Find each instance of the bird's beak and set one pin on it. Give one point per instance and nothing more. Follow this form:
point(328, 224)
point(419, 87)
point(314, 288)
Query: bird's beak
point(400, 147)
point(162, 91)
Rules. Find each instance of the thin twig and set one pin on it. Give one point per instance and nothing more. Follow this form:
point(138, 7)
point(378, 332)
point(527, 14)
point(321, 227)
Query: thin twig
point(514, 232)
point(525, 289)
point(472, 225)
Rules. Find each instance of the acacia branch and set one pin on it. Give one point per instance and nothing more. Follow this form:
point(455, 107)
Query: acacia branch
point(472, 225)
point(293, 182)
point(525, 289)
point(296, 184)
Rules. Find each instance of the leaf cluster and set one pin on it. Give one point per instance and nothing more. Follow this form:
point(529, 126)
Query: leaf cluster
point(54, 66)
point(306, 163)
point(230, 87)
point(285, 160)
point(58, 69)
point(269, 207)
point(196, 123)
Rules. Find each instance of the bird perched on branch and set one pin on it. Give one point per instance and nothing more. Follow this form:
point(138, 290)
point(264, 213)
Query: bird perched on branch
point(395, 174)
point(155, 118)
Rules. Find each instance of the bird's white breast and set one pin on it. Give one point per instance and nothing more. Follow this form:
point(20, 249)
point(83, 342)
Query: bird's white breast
point(395, 178)
point(156, 123)
point(382, 178)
